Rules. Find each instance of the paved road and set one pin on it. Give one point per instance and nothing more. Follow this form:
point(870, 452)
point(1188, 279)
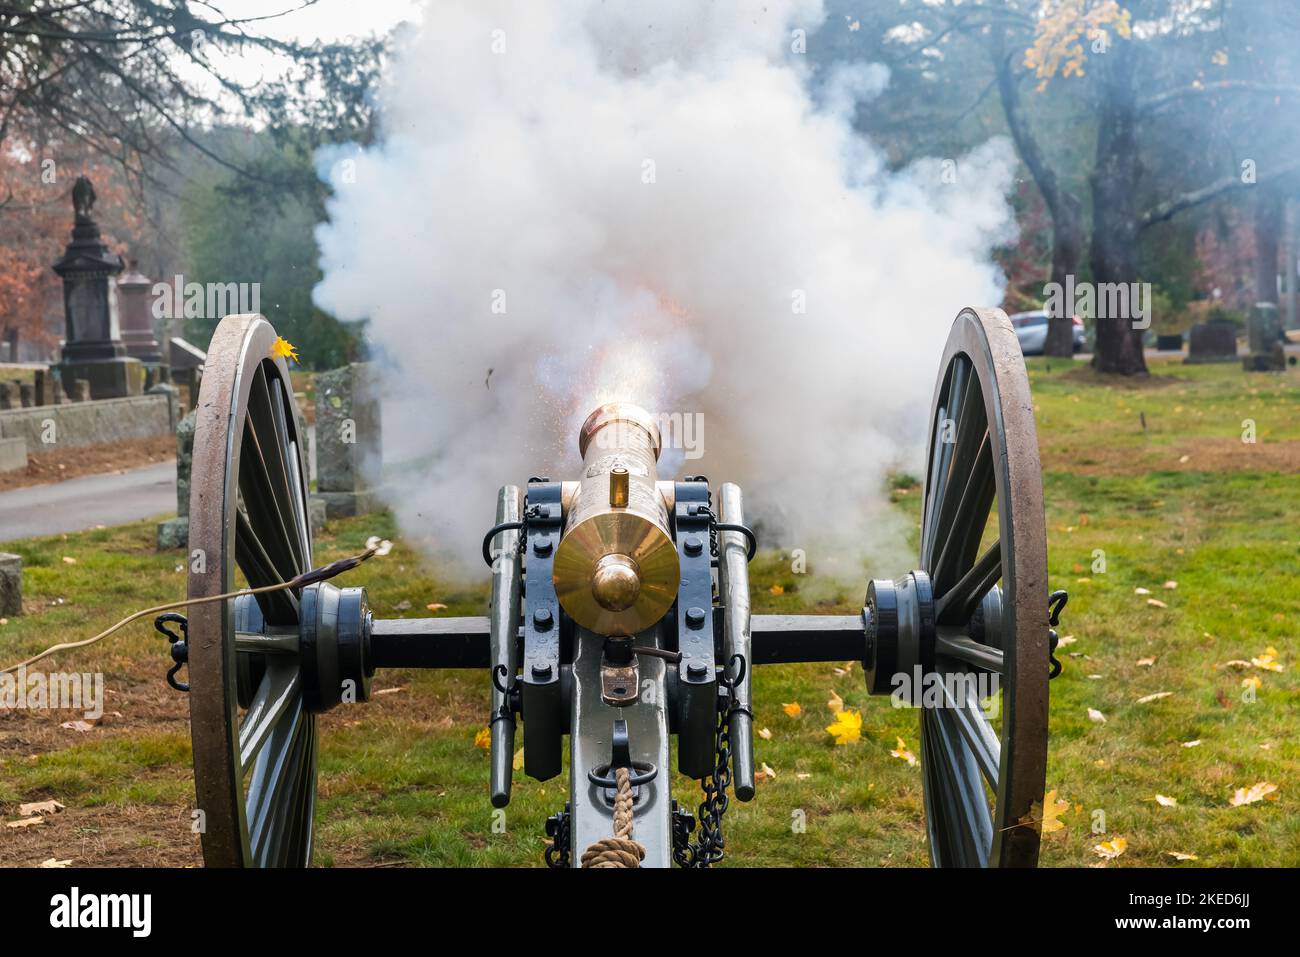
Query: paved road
point(82, 503)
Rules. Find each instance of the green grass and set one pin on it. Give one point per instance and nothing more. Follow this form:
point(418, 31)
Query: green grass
point(401, 780)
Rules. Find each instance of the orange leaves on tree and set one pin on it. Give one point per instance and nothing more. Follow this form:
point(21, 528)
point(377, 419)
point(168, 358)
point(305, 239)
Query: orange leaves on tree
point(1063, 28)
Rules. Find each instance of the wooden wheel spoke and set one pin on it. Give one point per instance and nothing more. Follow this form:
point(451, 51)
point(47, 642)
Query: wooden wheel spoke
point(975, 730)
point(964, 514)
point(956, 605)
point(941, 454)
point(956, 645)
point(970, 823)
point(275, 697)
point(274, 774)
point(280, 607)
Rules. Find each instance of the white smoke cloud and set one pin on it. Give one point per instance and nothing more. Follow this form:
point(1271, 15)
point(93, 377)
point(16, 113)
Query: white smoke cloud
point(651, 190)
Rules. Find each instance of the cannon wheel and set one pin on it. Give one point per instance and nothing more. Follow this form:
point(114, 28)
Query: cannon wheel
point(254, 738)
point(983, 447)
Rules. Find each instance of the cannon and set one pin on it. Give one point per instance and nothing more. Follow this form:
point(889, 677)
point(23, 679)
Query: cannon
point(620, 619)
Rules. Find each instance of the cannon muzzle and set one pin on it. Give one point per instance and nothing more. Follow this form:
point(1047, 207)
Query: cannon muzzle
point(616, 568)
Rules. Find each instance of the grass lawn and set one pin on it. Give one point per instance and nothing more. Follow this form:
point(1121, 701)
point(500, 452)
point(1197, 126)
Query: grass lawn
point(1145, 485)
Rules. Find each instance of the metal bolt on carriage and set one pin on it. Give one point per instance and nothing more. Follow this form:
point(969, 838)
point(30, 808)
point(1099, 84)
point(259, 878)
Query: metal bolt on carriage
point(620, 619)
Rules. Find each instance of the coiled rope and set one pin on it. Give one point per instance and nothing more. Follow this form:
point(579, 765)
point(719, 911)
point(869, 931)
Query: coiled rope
point(619, 850)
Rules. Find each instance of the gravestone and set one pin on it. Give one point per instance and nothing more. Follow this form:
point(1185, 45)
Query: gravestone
point(11, 585)
point(175, 532)
point(81, 391)
point(348, 439)
point(1213, 341)
point(185, 362)
point(8, 396)
point(27, 393)
point(44, 386)
point(133, 291)
point(1265, 338)
point(93, 350)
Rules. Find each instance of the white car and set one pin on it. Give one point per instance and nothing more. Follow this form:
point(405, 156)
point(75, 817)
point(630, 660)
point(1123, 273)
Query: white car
point(1031, 330)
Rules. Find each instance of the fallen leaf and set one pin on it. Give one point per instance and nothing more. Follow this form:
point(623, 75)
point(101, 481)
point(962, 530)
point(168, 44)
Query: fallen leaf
point(764, 773)
point(519, 759)
point(765, 734)
point(847, 727)
point(78, 725)
point(1192, 744)
point(435, 606)
point(792, 709)
point(1154, 697)
point(69, 560)
point(54, 862)
point(483, 738)
point(902, 753)
point(1048, 813)
point(1166, 801)
point(1171, 584)
point(390, 690)
point(803, 775)
point(1237, 663)
point(1222, 698)
point(1109, 850)
point(1156, 603)
point(777, 589)
point(1097, 716)
point(1141, 591)
point(1180, 856)
point(39, 807)
point(26, 822)
point(835, 704)
point(1256, 792)
point(1183, 460)
point(1066, 640)
point(1145, 662)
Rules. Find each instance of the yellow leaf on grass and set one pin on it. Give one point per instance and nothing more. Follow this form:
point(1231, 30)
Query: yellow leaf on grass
point(1180, 856)
point(1097, 716)
point(904, 754)
point(835, 704)
point(1145, 662)
point(1109, 850)
point(1192, 744)
point(435, 606)
point(792, 709)
point(54, 862)
point(39, 807)
point(483, 738)
point(25, 822)
point(1156, 603)
point(777, 589)
point(847, 727)
point(765, 734)
point(1268, 660)
point(69, 560)
point(519, 759)
point(764, 772)
point(1264, 790)
point(1154, 697)
point(1166, 801)
point(1047, 813)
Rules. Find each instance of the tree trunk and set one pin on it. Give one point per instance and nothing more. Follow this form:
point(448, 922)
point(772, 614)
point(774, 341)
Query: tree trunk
point(1113, 251)
point(1065, 208)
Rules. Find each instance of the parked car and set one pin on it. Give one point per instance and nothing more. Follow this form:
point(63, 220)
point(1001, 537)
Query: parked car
point(1031, 330)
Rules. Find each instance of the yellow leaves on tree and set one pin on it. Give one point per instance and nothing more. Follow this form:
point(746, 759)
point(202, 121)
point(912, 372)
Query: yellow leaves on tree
point(1063, 27)
point(846, 728)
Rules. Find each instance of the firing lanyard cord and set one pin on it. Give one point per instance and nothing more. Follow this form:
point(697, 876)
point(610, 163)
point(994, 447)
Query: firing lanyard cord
point(321, 574)
point(620, 850)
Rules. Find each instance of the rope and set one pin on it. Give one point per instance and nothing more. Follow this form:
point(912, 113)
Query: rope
point(306, 578)
point(619, 850)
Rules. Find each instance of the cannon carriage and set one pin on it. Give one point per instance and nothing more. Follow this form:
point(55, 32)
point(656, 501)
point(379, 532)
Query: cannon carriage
point(620, 619)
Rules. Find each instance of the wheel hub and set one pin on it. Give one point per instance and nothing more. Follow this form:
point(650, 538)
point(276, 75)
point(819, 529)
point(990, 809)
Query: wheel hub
point(899, 631)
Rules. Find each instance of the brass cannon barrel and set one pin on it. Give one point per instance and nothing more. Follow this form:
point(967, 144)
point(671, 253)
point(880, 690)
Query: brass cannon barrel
point(616, 568)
